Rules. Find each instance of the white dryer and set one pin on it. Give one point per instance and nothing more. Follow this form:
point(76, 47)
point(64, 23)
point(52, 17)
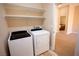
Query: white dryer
point(41, 41)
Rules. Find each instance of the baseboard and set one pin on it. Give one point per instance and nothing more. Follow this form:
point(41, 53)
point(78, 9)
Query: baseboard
point(74, 32)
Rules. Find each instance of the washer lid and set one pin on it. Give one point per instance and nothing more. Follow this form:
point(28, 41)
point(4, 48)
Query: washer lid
point(39, 32)
point(19, 34)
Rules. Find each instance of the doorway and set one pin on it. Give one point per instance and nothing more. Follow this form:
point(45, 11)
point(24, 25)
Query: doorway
point(62, 24)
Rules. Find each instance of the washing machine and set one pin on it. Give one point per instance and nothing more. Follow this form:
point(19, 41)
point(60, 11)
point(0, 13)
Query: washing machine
point(20, 43)
point(41, 41)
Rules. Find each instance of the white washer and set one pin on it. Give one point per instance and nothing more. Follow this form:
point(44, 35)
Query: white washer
point(20, 43)
point(41, 41)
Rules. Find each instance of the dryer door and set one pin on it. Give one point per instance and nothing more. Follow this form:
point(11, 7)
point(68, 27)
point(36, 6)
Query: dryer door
point(41, 43)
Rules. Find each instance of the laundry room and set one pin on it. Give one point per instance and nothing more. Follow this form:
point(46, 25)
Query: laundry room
point(27, 28)
point(39, 29)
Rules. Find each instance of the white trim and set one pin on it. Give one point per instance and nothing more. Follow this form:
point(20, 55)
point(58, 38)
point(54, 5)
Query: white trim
point(68, 32)
point(72, 32)
point(75, 32)
point(53, 42)
point(24, 16)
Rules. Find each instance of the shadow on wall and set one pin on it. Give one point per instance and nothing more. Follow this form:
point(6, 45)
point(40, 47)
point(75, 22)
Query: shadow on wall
point(7, 47)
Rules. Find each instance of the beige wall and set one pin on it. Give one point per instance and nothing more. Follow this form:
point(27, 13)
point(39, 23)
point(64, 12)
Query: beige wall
point(50, 22)
point(18, 9)
point(63, 11)
point(72, 15)
point(33, 5)
point(3, 33)
point(19, 22)
point(76, 20)
point(72, 21)
point(48, 19)
point(62, 19)
point(70, 18)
